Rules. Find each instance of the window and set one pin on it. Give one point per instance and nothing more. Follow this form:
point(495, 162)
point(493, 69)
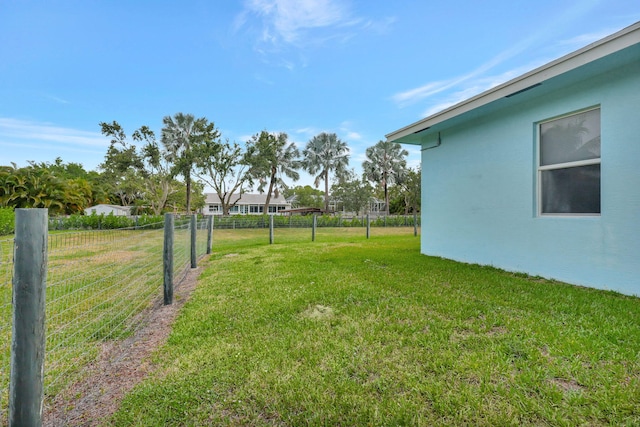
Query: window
point(569, 165)
point(214, 208)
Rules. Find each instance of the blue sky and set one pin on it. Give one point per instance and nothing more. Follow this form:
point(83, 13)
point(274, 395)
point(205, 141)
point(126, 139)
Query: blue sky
point(359, 68)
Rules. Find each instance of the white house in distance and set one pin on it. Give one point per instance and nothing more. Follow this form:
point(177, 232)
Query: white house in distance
point(116, 210)
point(541, 174)
point(249, 204)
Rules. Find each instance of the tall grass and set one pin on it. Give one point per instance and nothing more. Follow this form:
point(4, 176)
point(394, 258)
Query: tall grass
point(350, 331)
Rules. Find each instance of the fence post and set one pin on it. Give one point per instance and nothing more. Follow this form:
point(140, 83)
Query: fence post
point(368, 226)
point(167, 256)
point(313, 228)
point(194, 229)
point(26, 387)
point(271, 229)
point(415, 224)
point(209, 234)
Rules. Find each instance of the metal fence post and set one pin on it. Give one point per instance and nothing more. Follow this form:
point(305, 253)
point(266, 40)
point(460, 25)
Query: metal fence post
point(313, 228)
point(167, 255)
point(415, 224)
point(26, 388)
point(271, 230)
point(194, 234)
point(209, 234)
point(368, 226)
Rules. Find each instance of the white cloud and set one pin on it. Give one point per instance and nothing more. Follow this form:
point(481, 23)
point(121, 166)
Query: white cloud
point(582, 40)
point(281, 25)
point(477, 86)
point(353, 136)
point(55, 98)
point(287, 20)
point(306, 133)
point(463, 87)
point(28, 131)
point(425, 91)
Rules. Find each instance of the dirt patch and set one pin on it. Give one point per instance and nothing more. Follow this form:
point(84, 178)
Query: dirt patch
point(567, 385)
point(119, 367)
point(496, 330)
point(318, 312)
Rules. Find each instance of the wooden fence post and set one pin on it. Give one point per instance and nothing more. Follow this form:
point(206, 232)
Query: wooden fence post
point(415, 225)
point(167, 256)
point(26, 386)
point(194, 229)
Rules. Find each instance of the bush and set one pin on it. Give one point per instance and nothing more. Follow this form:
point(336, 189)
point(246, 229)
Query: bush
point(104, 222)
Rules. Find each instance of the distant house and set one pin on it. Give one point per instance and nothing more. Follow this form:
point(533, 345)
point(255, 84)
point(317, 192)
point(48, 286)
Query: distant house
point(116, 210)
point(249, 204)
point(541, 174)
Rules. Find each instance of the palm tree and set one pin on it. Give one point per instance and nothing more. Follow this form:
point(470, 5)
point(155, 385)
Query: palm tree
point(325, 153)
point(181, 134)
point(385, 165)
point(270, 156)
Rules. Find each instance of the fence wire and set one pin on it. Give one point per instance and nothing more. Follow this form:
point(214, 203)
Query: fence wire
point(100, 287)
point(306, 221)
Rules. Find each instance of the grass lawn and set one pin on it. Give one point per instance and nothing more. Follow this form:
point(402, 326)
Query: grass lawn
point(349, 331)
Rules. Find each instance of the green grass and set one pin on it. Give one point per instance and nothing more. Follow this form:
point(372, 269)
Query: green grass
point(99, 284)
point(349, 331)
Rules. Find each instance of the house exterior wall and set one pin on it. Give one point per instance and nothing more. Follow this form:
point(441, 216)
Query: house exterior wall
point(108, 209)
point(479, 189)
point(248, 204)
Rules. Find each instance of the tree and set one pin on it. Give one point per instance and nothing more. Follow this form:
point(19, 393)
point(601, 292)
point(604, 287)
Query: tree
point(220, 165)
point(182, 135)
point(354, 194)
point(411, 191)
point(158, 174)
point(323, 154)
point(83, 188)
point(307, 196)
point(176, 200)
point(269, 156)
point(121, 165)
point(32, 186)
point(138, 174)
point(385, 165)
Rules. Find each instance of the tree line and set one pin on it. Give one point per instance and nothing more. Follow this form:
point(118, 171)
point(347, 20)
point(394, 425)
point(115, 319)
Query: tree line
point(152, 176)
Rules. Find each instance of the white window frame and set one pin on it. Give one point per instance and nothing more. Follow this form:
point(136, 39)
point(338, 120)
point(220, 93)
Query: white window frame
point(565, 165)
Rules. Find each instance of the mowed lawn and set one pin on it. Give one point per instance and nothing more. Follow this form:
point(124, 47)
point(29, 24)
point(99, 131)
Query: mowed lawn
point(349, 331)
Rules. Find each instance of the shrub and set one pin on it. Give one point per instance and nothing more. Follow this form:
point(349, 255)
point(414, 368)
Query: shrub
point(7, 221)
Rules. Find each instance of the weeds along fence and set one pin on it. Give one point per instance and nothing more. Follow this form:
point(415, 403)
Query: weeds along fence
point(100, 286)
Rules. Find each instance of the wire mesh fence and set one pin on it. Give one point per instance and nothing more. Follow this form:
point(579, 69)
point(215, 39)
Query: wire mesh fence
point(306, 221)
point(102, 283)
point(100, 287)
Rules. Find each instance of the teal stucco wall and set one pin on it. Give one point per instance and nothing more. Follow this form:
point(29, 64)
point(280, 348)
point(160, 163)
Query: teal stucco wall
point(479, 185)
